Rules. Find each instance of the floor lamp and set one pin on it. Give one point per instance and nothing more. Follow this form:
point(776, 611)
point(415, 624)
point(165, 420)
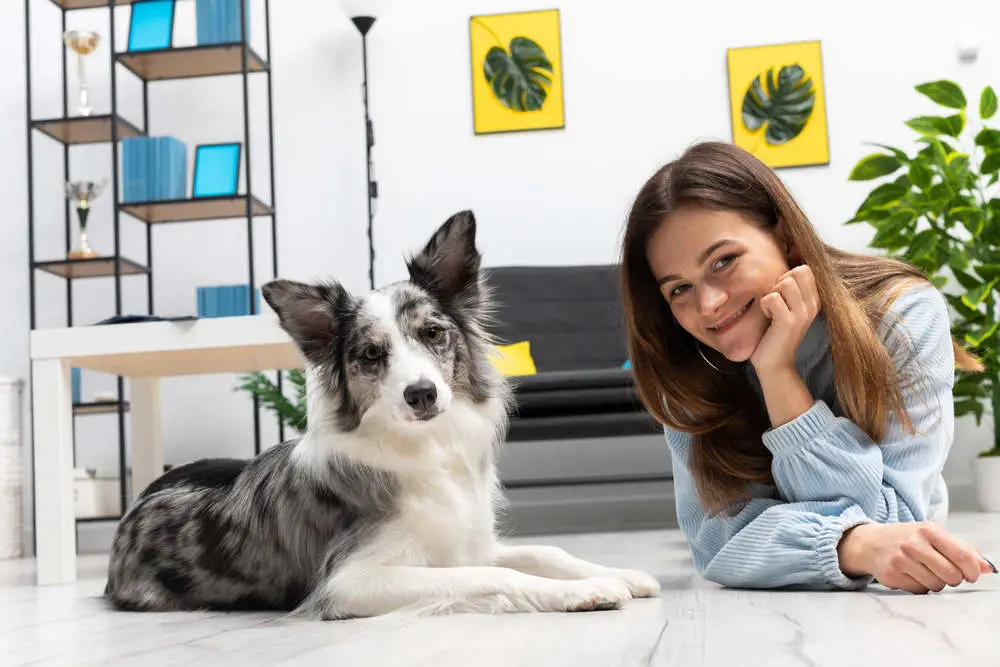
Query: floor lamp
point(363, 14)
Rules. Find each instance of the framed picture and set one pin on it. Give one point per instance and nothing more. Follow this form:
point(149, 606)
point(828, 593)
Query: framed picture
point(216, 170)
point(151, 25)
point(517, 81)
point(778, 103)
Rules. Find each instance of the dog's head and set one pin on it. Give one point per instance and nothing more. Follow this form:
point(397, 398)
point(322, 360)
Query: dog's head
point(399, 356)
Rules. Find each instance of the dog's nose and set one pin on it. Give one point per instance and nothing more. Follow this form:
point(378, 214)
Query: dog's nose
point(421, 395)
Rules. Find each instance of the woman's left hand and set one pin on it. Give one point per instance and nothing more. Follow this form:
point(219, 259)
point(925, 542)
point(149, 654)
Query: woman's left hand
point(791, 307)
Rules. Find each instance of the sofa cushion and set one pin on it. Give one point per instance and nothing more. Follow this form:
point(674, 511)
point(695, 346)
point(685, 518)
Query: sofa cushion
point(571, 315)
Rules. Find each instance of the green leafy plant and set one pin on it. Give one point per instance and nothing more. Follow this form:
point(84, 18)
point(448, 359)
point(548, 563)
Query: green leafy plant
point(291, 412)
point(939, 210)
point(785, 106)
point(520, 77)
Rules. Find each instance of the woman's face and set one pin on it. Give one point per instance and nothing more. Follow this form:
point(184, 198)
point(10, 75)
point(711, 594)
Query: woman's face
point(713, 267)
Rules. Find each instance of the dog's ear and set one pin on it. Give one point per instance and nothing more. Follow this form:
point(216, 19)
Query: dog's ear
point(308, 313)
point(448, 266)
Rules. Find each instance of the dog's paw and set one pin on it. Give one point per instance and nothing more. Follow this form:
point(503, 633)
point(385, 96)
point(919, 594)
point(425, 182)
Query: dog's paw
point(640, 584)
point(596, 593)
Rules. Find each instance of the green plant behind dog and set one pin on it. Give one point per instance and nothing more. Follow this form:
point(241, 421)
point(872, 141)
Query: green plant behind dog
point(291, 413)
point(939, 210)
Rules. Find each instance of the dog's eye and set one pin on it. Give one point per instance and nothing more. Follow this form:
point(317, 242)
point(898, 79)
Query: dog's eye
point(433, 334)
point(372, 352)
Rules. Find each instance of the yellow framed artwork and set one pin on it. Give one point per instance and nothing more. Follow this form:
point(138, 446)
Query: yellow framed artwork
point(778, 103)
point(516, 62)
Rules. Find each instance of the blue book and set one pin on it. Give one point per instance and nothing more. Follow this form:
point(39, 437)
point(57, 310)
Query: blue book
point(218, 21)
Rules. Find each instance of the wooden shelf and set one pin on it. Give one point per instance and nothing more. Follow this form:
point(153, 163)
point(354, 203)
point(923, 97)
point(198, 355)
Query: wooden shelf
point(98, 408)
point(201, 208)
point(86, 129)
point(96, 267)
point(87, 4)
point(190, 61)
point(97, 519)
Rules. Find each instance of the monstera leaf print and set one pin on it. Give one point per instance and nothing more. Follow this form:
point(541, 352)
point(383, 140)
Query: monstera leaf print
point(519, 78)
point(784, 103)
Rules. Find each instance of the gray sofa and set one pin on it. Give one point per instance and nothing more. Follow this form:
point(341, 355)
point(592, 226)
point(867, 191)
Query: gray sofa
point(582, 454)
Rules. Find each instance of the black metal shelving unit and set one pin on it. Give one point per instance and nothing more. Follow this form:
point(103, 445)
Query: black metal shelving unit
point(163, 65)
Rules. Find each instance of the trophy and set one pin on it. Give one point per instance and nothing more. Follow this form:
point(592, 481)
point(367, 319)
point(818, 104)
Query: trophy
point(82, 42)
point(84, 192)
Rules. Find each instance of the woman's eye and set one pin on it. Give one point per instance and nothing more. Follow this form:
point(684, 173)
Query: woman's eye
point(723, 262)
point(677, 291)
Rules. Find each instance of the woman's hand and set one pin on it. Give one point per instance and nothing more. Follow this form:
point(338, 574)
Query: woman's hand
point(914, 557)
point(791, 307)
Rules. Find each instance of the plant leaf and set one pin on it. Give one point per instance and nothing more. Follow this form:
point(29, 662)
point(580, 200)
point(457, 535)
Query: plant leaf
point(991, 163)
point(520, 78)
point(784, 103)
point(900, 155)
point(945, 93)
point(921, 175)
point(874, 166)
point(886, 193)
point(922, 245)
point(935, 125)
point(969, 406)
point(987, 103)
point(970, 216)
point(988, 271)
point(890, 231)
point(975, 296)
point(988, 138)
point(980, 336)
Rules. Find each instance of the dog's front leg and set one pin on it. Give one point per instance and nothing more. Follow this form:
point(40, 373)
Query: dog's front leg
point(361, 590)
point(555, 563)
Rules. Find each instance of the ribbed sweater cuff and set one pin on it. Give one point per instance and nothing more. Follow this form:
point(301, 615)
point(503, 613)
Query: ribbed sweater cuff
point(792, 435)
point(829, 559)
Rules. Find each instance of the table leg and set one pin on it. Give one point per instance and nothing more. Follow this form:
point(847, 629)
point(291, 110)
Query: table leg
point(55, 518)
point(147, 434)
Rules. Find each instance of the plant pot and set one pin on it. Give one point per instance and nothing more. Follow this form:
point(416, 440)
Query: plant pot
point(986, 470)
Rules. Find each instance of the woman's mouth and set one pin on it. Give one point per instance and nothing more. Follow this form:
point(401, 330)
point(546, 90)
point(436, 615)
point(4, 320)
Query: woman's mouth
point(731, 321)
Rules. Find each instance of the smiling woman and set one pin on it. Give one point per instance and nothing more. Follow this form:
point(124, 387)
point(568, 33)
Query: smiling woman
point(805, 391)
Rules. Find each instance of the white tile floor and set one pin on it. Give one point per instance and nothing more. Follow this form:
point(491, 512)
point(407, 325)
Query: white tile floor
point(693, 624)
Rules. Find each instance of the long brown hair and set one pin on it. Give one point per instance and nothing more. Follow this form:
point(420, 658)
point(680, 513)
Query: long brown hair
point(718, 407)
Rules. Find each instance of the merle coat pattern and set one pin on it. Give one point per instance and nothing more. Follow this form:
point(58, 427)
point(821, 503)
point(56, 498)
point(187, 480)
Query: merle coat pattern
point(388, 502)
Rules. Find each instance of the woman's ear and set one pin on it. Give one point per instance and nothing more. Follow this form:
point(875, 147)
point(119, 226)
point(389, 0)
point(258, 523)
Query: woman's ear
point(787, 243)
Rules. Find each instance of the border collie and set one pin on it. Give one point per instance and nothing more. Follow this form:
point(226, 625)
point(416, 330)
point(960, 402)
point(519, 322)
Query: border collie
point(387, 503)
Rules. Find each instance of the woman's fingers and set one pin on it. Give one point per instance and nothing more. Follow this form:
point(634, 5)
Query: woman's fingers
point(936, 563)
point(789, 290)
point(962, 555)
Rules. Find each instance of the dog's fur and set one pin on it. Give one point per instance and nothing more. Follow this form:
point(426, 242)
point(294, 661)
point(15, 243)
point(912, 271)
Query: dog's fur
point(387, 503)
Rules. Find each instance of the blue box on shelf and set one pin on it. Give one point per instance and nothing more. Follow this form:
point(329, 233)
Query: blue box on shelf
point(219, 21)
point(74, 381)
point(153, 169)
point(226, 301)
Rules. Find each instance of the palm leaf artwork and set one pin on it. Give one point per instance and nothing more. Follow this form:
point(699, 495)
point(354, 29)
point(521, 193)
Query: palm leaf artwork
point(785, 104)
point(520, 77)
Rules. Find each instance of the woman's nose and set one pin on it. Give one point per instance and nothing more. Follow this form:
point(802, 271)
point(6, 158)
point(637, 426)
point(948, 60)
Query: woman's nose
point(710, 298)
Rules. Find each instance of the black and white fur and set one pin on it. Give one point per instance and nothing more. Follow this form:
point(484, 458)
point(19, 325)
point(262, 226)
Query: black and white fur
point(388, 502)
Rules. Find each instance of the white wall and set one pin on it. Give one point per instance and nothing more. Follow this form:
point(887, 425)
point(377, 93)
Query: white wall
point(643, 80)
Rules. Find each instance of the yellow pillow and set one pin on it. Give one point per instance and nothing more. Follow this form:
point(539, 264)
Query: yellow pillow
point(514, 359)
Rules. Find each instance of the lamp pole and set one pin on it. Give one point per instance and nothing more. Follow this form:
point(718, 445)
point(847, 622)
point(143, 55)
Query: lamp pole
point(364, 24)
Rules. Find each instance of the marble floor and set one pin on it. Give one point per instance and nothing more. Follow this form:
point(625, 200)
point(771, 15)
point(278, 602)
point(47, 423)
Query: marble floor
point(693, 624)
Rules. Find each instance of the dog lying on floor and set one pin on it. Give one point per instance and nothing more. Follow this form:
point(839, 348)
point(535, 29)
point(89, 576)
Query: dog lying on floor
point(388, 502)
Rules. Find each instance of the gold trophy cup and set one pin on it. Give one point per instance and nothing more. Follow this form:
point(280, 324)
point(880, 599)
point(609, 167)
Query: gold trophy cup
point(82, 42)
point(84, 192)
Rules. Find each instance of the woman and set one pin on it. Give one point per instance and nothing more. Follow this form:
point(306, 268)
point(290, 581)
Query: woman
point(805, 391)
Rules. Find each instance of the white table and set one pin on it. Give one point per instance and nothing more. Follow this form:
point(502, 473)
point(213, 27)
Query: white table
point(142, 353)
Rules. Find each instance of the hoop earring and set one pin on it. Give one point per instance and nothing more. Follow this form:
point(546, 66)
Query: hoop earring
point(707, 361)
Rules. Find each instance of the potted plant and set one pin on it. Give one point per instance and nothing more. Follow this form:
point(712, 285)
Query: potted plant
point(939, 209)
point(291, 412)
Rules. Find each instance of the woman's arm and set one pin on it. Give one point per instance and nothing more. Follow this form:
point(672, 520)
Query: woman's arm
point(768, 543)
point(818, 455)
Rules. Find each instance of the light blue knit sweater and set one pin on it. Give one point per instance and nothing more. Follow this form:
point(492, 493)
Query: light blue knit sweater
point(829, 475)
